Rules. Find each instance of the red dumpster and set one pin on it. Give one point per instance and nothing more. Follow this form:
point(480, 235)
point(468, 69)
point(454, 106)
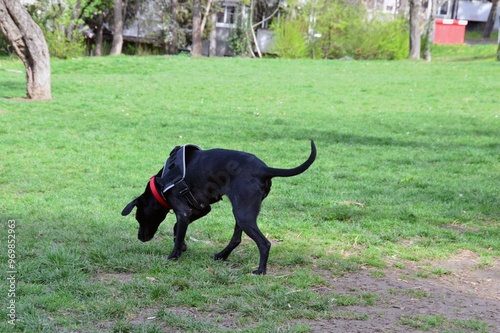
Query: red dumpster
point(449, 31)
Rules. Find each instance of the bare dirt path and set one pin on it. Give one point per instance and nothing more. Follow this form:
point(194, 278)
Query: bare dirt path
point(465, 299)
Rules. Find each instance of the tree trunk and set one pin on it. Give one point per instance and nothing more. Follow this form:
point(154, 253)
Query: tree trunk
point(429, 29)
point(213, 36)
point(415, 29)
point(205, 16)
point(256, 44)
point(74, 16)
point(99, 34)
point(488, 28)
point(197, 46)
point(116, 47)
point(28, 42)
point(172, 41)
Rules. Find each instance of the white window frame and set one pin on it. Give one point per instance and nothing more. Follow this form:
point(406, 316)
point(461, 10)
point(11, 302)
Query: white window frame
point(230, 12)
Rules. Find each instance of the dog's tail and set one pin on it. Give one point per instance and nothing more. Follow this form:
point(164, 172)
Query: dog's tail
point(274, 172)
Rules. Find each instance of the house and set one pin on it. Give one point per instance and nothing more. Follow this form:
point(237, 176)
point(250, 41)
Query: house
point(476, 12)
point(232, 15)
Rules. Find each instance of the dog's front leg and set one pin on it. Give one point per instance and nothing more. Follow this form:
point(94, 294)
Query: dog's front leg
point(194, 215)
point(180, 229)
point(183, 245)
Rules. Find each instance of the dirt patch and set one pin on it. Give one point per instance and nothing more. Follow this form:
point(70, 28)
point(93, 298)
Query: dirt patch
point(468, 276)
point(121, 278)
point(226, 321)
point(465, 298)
point(222, 321)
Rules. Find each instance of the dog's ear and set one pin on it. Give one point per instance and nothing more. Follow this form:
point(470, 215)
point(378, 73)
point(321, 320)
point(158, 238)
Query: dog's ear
point(129, 207)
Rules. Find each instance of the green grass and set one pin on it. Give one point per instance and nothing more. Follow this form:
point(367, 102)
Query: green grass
point(408, 168)
point(435, 323)
point(464, 52)
point(477, 35)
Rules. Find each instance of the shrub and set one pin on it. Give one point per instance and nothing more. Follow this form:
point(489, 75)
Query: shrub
point(238, 42)
point(60, 47)
point(239, 37)
point(343, 28)
point(380, 39)
point(336, 23)
point(290, 39)
point(348, 30)
point(57, 43)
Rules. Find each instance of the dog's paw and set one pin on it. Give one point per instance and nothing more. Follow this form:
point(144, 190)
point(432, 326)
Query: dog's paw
point(174, 256)
point(218, 256)
point(259, 272)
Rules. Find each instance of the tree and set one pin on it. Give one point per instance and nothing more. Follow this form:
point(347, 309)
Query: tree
point(99, 34)
point(429, 29)
point(212, 51)
point(100, 11)
point(172, 47)
point(74, 16)
point(199, 23)
point(197, 43)
point(116, 47)
point(29, 44)
point(415, 29)
point(491, 19)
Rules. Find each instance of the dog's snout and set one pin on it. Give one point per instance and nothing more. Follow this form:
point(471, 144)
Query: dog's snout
point(144, 236)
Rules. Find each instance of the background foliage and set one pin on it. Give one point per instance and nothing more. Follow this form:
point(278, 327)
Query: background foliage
point(62, 48)
point(290, 39)
point(334, 29)
point(342, 28)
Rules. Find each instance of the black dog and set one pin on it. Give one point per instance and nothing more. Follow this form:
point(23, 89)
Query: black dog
point(210, 174)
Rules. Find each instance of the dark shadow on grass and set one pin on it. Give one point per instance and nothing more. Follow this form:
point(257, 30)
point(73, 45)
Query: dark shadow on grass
point(337, 137)
point(334, 137)
point(467, 59)
point(485, 57)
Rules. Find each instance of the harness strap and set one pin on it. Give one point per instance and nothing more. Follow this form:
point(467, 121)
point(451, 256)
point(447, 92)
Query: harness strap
point(184, 191)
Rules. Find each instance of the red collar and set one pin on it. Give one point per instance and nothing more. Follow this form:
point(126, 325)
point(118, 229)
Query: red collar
point(157, 195)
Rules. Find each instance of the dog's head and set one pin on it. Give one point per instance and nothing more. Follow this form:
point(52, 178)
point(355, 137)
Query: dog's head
point(149, 214)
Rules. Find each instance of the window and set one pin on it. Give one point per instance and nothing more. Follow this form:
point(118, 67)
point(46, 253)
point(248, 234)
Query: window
point(227, 17)
point(443, 10)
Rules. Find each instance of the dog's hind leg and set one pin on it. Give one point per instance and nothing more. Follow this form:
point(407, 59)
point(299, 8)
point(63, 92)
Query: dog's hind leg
point(247, 221)
point(246, 198)
point(264, 247)
point(235, 241)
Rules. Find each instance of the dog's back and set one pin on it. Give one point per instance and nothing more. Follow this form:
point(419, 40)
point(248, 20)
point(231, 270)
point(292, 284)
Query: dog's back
point(235, 162)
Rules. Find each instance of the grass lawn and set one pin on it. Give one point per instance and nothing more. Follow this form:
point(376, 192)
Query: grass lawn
point(408, 170)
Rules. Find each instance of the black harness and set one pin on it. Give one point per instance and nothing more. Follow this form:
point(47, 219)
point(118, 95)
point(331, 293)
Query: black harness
point(174, 173)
